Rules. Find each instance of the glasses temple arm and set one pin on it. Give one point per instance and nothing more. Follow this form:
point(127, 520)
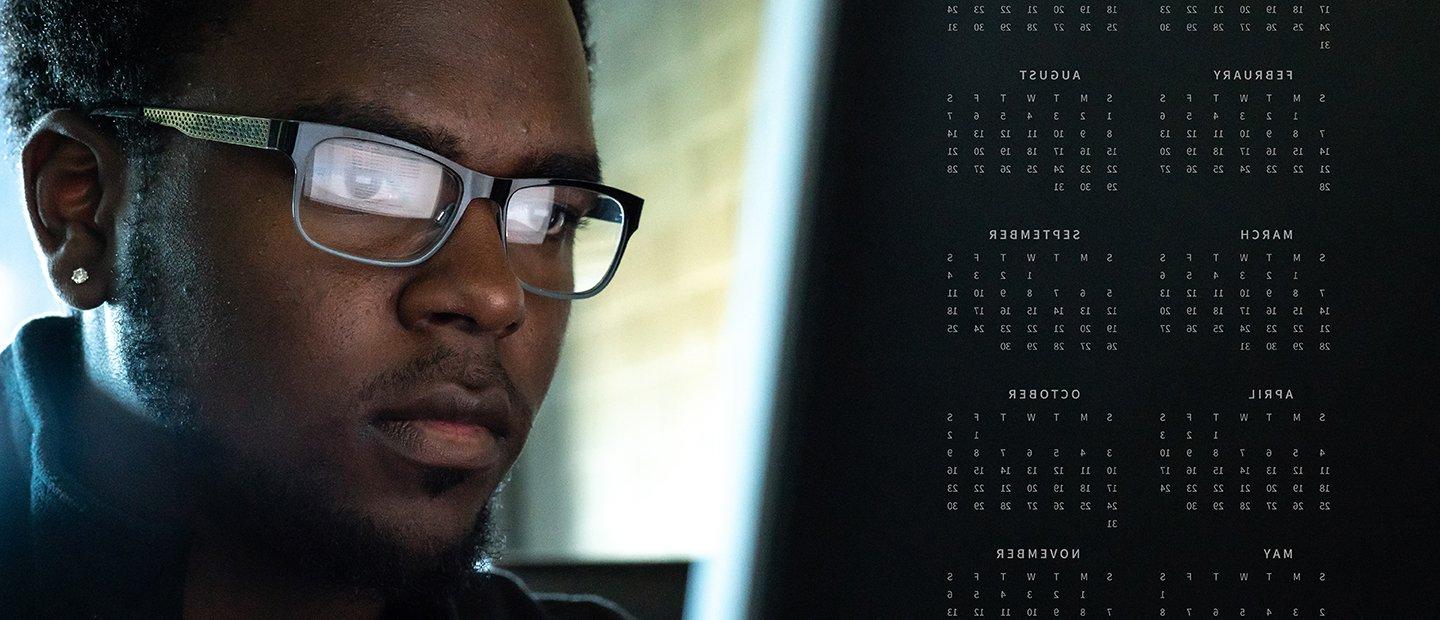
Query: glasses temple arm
point(264, 133)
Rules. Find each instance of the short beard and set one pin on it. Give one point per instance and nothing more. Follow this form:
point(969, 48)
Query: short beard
point(298, 522)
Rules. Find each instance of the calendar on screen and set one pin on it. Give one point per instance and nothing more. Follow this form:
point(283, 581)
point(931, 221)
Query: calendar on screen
point(1135, 305)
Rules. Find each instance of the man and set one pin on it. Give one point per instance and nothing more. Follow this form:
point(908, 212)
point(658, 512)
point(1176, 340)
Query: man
point(320, 257)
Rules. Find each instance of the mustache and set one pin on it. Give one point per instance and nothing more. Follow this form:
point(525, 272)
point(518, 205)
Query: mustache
point(474, 371)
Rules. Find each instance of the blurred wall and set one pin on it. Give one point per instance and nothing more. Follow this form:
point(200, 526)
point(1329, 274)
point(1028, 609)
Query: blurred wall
point(627, 450)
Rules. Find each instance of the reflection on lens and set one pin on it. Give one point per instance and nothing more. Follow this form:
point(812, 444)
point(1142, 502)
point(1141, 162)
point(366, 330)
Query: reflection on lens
point(562, 239)
point(375, 200)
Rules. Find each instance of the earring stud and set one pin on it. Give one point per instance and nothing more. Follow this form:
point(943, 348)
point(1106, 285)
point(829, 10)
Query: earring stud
point(79, 276)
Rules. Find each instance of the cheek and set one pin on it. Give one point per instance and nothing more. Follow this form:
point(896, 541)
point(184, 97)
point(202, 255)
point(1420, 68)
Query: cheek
point(296, 366)
point(304, 347)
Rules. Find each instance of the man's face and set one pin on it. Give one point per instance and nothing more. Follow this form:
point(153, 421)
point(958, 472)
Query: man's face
point(283, 357)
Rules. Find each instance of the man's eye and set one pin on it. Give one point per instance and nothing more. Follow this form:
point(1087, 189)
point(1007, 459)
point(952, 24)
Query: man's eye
point(377, 179)
point(561, 219)
point(364, 183)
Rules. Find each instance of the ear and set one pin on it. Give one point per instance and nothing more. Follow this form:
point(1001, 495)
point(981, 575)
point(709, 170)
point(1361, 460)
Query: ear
point(74, 178)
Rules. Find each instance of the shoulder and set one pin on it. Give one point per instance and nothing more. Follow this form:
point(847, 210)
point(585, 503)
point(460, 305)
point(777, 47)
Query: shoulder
point(498, 593)
point(40, 354)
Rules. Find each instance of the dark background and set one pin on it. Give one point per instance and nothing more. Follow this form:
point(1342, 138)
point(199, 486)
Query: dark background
point(855, 520)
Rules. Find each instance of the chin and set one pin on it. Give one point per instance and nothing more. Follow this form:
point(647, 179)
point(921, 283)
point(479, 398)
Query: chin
point(408, 543)
point(438, 509)
point(347, 519)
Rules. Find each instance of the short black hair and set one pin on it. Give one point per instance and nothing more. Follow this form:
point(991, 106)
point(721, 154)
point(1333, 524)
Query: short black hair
point(82, 54)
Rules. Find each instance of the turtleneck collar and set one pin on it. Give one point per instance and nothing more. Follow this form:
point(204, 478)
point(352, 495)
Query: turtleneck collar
point(87, 557)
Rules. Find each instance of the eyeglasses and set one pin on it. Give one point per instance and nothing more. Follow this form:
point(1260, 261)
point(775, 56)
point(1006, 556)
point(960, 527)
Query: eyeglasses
point(382, 201)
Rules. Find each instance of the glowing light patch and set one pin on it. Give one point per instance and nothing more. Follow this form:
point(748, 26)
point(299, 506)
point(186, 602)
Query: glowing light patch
point(375, 178)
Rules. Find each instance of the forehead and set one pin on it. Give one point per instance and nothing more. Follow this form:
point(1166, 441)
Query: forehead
point(508, 78)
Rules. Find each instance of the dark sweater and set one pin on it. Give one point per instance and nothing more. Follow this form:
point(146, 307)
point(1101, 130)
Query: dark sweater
point(65, 553)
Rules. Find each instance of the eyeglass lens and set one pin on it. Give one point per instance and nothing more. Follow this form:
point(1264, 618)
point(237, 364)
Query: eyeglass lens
point(387, 203)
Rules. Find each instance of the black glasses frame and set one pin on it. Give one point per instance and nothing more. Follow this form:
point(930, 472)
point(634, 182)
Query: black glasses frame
point(297, 139)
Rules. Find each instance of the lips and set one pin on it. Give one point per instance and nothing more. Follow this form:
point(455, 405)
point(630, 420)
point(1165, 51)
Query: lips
point(449, 427)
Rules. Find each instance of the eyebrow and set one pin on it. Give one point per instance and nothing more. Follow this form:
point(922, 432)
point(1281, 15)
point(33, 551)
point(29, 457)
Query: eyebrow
point(383, 120)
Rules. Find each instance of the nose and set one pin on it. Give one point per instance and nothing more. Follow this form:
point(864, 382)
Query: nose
point(467, 285)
